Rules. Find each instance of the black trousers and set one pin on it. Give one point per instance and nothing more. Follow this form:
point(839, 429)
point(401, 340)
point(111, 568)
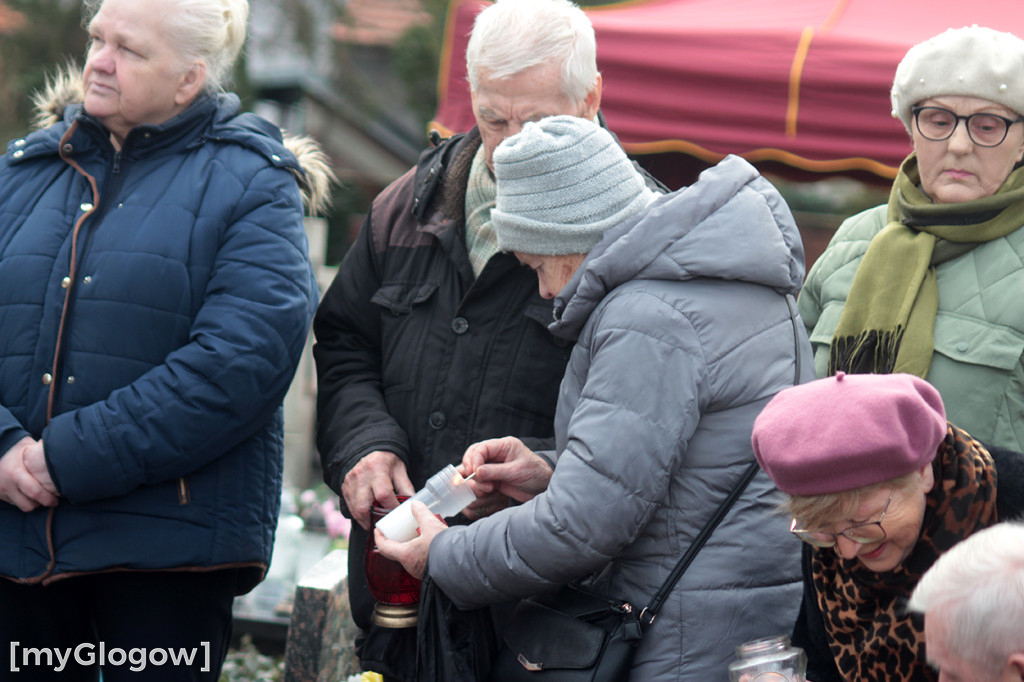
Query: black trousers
point(141, 627)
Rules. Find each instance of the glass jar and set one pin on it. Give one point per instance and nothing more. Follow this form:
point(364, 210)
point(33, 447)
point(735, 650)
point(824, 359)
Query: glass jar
point(771, 659)
point(396, 592)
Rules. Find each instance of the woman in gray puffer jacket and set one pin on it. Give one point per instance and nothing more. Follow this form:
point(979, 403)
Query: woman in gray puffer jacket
point(682, 311)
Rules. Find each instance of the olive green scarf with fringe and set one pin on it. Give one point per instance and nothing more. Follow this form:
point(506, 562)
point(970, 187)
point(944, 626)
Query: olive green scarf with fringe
point(888, 321)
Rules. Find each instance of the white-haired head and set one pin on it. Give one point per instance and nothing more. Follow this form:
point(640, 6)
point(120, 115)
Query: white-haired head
point(211, 31)
point(512, 36)
point(976, 591)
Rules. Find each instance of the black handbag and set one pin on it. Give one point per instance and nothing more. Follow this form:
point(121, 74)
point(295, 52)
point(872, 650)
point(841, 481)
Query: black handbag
point(576, 635)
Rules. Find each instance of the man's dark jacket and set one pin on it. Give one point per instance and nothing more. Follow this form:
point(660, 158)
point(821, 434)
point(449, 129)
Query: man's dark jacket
point(416, 356)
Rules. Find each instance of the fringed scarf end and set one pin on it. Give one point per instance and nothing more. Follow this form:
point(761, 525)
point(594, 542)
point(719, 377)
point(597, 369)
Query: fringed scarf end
point(870, 352)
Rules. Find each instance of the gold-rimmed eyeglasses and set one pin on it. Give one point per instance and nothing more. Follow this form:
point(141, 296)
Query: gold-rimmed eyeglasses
point(862, 533)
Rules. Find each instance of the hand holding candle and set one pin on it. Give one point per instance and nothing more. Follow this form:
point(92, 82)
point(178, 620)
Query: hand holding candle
point(412, 554)
point(504, 469)
point(445, 494)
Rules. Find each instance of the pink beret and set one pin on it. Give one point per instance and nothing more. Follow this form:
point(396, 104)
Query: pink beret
point(848, 431)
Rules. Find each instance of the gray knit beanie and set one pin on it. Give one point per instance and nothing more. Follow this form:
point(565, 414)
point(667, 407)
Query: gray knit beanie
point(972, 61)
point(562, 181)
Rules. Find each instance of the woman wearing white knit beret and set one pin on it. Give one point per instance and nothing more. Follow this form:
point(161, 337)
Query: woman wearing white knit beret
point(931, 283)
point(681, 310)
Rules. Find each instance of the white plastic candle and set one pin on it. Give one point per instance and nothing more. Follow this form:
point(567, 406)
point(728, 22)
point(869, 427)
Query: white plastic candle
point(445, 494)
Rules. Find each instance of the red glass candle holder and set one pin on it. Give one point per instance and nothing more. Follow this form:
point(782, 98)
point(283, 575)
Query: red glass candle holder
point(396, 592)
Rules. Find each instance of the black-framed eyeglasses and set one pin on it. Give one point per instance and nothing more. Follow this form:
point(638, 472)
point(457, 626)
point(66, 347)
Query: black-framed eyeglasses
point(862, 533)
point(985, 130)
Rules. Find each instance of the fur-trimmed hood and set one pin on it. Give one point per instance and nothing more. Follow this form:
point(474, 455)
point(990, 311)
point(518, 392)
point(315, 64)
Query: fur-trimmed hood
point(65, 88)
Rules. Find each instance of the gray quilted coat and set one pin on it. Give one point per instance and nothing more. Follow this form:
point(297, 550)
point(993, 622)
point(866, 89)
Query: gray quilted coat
point(683, 332)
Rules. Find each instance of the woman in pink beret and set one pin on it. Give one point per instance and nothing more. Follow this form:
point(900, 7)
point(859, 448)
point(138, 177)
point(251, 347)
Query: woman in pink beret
point(878, 486)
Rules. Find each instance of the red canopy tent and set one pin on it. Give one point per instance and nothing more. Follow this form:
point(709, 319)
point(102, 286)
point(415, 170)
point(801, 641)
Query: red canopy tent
point(804, 83)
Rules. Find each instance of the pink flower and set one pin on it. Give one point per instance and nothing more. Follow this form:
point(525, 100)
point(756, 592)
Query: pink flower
point(337, 524)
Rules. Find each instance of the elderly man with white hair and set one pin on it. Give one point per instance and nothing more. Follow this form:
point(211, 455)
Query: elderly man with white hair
point(430, 339)
point(973, 602)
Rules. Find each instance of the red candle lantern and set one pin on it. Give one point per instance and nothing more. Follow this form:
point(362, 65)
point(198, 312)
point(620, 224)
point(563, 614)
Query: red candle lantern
point(396, 592)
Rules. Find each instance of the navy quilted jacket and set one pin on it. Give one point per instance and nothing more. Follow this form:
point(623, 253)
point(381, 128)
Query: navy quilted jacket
point(154, 303)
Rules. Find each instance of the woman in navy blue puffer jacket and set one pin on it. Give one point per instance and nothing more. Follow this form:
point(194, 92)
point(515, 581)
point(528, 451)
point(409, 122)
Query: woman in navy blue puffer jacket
point(155, 297)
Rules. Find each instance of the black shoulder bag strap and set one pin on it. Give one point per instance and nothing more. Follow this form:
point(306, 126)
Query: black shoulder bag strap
point(651, 610)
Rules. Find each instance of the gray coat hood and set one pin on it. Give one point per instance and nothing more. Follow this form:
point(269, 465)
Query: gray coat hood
point(731, 224)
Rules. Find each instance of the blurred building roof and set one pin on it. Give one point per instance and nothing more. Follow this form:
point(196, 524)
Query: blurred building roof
point(378, 22)
point(9, 19)
point(350, 100)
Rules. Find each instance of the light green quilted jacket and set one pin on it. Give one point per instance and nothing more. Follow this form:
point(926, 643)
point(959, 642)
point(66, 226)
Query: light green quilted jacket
point(979, 331)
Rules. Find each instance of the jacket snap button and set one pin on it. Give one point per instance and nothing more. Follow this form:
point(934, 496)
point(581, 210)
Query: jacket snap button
point(962, 346)
point(86, 279)
point(18, 154)
point(47, 379)
point(438, 420)
point(86, 207)
point(19, 143)
point(65, 283)
point(68, 148)
point(460, 325)
point(71, 380)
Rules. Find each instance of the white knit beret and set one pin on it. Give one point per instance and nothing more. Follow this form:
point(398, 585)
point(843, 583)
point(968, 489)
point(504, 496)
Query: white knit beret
point(972, 61)
point(562, 181)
